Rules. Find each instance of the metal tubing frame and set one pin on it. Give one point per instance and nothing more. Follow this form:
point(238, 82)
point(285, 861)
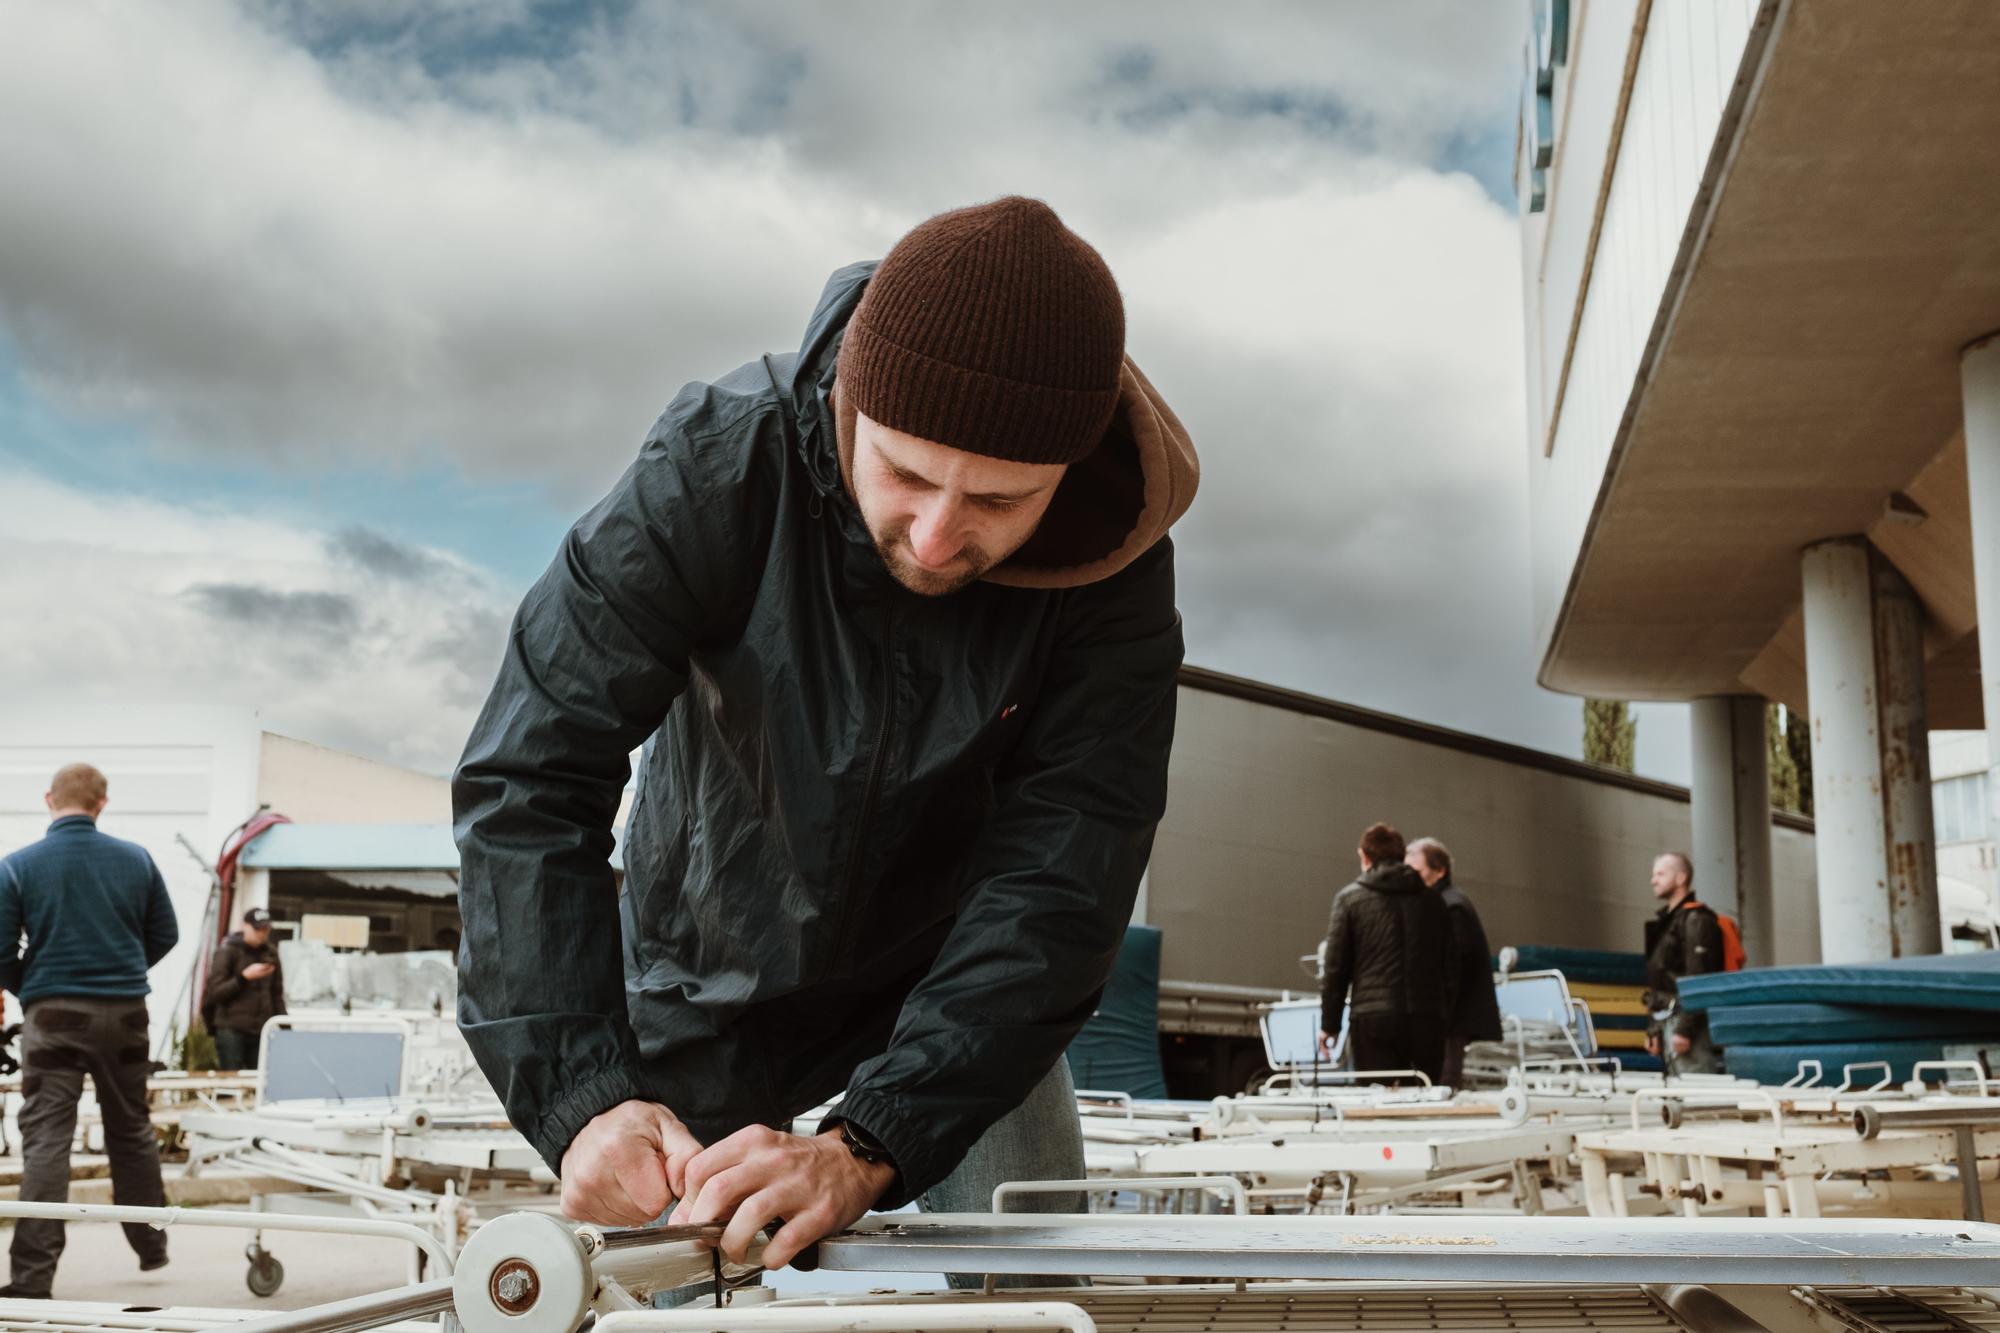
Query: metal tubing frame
point(1719, 1098)
point(974, 1317)
point(1228, 1186)
point(173, 1216)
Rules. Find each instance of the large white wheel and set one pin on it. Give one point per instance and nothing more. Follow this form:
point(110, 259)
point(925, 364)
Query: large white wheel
point(522, 1273)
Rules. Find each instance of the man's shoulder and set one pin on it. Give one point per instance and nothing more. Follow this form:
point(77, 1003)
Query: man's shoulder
point(120, 850)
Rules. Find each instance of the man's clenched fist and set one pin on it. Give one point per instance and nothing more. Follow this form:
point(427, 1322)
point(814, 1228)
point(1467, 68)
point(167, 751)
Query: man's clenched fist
point(627, 1165)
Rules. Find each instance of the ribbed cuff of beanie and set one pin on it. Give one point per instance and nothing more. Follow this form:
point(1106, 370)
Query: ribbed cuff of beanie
point(970, 409)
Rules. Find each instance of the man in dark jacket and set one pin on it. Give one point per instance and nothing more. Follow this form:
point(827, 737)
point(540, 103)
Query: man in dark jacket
point(1476, 1014)
point(1683, 940)
point(1389, 941)
point(246, 989)
point(894, 620)
point(97, 917)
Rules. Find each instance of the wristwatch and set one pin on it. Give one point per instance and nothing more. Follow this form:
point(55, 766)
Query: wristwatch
point(863, 1144)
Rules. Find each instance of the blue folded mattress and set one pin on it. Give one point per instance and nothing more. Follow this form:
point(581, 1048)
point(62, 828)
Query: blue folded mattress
point(1779, 1064)
point(1599, 966)
point(1118, 1049)
point(1934, 981)
point(1803, 1023)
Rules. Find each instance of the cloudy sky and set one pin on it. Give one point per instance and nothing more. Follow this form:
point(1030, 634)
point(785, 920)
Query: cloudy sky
point(319, 321)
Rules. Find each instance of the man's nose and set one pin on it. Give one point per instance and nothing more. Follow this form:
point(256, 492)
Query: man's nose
point(934, 535)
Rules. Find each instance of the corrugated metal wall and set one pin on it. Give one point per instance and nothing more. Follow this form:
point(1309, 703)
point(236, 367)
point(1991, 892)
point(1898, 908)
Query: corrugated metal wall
point(1267, 803)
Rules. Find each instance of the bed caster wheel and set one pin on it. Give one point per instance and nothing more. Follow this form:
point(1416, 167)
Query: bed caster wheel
point(1672, 1113)
point(266, 1274)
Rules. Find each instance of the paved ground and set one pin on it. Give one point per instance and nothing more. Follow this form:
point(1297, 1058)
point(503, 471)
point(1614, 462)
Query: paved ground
point(207, 1268)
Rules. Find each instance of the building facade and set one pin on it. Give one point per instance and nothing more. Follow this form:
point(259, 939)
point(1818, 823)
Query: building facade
point(1760, 275)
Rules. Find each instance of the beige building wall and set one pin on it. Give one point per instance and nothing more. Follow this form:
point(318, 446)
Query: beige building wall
point(1267, 802)
point(315, 785)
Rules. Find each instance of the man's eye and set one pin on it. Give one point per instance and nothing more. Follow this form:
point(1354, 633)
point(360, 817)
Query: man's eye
point(1000, 506)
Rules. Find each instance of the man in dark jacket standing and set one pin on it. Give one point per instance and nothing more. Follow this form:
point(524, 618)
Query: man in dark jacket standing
point(1475, 1016)
point(1388, 941)
point(1683, 940)
point(893, 618)
point(246, 989)
point(97, 917)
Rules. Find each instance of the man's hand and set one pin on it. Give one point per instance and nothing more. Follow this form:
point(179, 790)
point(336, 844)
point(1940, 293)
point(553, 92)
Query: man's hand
point(1652, 1043)
point(757, 1176)
point(258, 971)
point(1326, 1046)
point(627, 1165)
point(1682, 1044)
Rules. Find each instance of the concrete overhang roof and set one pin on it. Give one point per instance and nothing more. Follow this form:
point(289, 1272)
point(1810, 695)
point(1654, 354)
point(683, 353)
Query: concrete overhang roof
point(1810, 369)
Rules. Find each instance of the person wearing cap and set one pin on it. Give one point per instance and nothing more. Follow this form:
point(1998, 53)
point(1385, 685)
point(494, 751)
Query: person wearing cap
point(893, 620)
point(246, 989)
point(96, 917)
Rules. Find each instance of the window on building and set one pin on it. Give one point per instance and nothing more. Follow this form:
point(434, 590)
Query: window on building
point(1958, 807)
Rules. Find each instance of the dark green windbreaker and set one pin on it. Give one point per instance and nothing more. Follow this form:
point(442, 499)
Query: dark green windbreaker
point(879, 842)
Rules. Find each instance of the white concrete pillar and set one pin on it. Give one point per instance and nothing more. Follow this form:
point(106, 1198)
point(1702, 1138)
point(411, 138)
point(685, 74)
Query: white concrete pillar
point(1732, 816)
point(1979, 380)
point(1871, 756)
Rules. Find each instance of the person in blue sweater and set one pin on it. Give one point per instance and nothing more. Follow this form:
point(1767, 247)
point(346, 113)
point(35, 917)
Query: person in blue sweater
point(97, 917)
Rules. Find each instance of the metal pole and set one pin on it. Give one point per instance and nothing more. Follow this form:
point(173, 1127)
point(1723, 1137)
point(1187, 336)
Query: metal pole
point(1968, 1175)
point(1979, 381)
point(358, 1312)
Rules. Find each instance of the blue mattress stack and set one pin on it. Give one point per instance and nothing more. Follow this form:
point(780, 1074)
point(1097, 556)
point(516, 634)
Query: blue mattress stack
point(1902, 1010)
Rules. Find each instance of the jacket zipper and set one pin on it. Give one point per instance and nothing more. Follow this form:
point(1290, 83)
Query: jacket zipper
point(868, 794)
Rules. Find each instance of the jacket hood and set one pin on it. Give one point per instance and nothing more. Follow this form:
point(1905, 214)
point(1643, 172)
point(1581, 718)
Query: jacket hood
point(1395, 878)
point(1111, 507)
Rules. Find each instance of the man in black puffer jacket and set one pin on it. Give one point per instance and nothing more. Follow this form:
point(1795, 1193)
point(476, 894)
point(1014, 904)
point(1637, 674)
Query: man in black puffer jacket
point(1476, 1014)
point(1389, 941)
point(893, 619)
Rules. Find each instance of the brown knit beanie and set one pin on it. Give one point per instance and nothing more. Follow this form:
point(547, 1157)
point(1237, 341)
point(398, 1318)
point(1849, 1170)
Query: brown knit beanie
point(994, 329)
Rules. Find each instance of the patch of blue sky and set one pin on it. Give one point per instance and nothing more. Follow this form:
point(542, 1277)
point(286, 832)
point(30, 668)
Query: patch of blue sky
point(1485, 153)
point(704, 71)
point(446, 39)
point(509, 530)
point(1483, 150)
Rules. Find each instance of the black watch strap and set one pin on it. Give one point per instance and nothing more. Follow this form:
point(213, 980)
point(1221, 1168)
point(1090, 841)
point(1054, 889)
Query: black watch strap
point(863, 1144)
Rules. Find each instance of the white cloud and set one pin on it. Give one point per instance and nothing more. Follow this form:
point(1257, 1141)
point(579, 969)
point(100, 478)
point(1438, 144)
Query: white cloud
point(341, 637)
point(433, 241)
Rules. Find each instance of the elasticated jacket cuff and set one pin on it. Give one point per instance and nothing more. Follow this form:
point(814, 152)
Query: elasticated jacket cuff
point(920, 1161)
point(583, 1103)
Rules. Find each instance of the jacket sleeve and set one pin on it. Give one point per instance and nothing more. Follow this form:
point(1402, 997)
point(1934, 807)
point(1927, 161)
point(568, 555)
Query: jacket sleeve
point(597, 653)
point(1701, 952)
point(1458, 946)
point(278, 987)
point(225, 975)
point(1050, 884)
point(1338, 973)
point(163, 932)
point(10, 929)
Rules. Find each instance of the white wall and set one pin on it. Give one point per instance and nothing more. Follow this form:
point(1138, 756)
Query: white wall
point(1687, 65)
point(173, 770)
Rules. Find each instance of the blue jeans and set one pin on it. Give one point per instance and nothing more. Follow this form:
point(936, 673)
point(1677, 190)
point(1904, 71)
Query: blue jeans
point(1041, 1139)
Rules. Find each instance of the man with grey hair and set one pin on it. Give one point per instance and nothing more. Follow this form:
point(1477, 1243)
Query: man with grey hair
point(1683, 940)
point(1475, 1013)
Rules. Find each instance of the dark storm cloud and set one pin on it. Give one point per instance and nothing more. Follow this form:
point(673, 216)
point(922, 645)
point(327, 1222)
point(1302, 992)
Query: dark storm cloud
point(373, 553)
point(274, 611)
